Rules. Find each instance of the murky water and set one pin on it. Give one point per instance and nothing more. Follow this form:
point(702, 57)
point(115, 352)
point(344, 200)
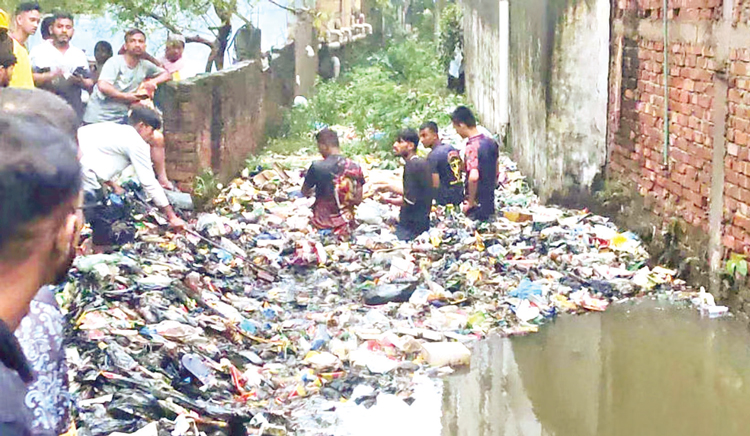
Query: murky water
point(638, 369)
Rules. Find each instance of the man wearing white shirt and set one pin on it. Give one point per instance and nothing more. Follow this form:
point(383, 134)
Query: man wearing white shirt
point(107, 148)
point(60, 67)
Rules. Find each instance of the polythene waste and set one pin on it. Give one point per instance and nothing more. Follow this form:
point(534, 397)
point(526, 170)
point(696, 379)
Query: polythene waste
point(259, 314)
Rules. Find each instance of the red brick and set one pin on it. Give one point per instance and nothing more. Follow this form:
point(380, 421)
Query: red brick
point(698, 137)
point(742, 124)
point(704, 101)
point(738, 68)
point(741, 221)
point(730, 203)
point(740, 137)
point(728, 241)
point(744, 195)
point(731, 177)
point(734, 95)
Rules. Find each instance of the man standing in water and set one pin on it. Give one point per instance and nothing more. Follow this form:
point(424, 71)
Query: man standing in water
point(446, 164)
point(415, 195)
point(337, 185)
point(481, 156)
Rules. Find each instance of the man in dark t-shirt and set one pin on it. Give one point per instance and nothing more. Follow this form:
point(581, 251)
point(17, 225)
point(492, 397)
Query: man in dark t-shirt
point(481, 157)
point(416, 194)
point(446, 165)
point(337, 184)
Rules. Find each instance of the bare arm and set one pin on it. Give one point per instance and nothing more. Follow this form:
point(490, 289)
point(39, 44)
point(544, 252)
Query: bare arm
point(471, 198)
point(435, 180)
point(110, 91)
point(390, 187)
point(149, 57)
point(174, 221)
point(41, 79)
point(399, 201)
point(159, 158)
point(151, 84)
point(83, 82)
point(164, 76)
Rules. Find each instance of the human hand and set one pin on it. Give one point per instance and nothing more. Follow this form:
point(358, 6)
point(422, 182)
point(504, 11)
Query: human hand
point(117, 189)
point(166, 184)
point(149, 87)
point(177, 223)
point(468, 205)
point(132, 97)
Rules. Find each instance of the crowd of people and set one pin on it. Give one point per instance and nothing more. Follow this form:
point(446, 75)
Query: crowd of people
point(443, 177)
point(60, 158)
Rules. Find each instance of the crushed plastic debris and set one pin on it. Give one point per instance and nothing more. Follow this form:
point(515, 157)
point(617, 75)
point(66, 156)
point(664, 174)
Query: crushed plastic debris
point(254, 314)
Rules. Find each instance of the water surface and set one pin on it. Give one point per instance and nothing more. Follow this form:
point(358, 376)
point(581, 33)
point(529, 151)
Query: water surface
point(637, 369)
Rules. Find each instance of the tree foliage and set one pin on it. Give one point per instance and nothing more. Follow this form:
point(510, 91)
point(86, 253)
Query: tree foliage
point(395, 87)
point(184, 17)
point(451, 33)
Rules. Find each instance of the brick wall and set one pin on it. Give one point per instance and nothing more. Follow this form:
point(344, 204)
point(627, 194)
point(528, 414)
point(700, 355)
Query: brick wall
point(681, 187)
point(741, 12)
point(216, 121)
point(737, 160)
point(706, 53)
point(685, 10)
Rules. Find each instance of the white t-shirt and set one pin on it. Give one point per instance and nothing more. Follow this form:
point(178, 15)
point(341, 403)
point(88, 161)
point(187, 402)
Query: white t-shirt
point(108, 148)
point(46, 55)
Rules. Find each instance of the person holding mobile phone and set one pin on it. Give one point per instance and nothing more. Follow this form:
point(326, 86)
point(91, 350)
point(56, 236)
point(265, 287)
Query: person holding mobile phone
point(125, 79)
point(60, 67)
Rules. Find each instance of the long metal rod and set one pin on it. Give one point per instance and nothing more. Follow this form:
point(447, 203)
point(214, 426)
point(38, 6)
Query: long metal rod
point(665, 151)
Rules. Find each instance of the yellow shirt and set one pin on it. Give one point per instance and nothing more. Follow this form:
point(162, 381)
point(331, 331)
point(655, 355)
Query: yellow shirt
point(21, 77)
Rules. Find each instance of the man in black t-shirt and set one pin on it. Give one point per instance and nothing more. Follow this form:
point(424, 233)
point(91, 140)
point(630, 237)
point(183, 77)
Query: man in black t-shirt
point(337, 184)
point(446, 164)
point(416, 194)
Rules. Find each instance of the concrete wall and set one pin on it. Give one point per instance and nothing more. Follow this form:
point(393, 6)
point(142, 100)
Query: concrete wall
point(216, 121)
point(559, 59)
point(306, 62)
point(485, 57)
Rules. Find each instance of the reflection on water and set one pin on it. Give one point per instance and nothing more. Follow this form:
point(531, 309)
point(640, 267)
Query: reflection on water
point(638, 369)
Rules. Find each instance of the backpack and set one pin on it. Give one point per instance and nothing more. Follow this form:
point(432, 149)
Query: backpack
point(347, 187)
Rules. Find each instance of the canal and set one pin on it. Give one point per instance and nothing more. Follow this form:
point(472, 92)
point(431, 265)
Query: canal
point(640, 368)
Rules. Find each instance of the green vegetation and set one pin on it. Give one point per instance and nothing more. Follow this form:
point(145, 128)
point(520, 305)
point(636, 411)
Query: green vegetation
point(451, 33)
point(736, 264)
point(399, 86)
point(206, 187)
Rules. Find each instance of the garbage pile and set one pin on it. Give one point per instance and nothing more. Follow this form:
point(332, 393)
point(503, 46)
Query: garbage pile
point(235, 325)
